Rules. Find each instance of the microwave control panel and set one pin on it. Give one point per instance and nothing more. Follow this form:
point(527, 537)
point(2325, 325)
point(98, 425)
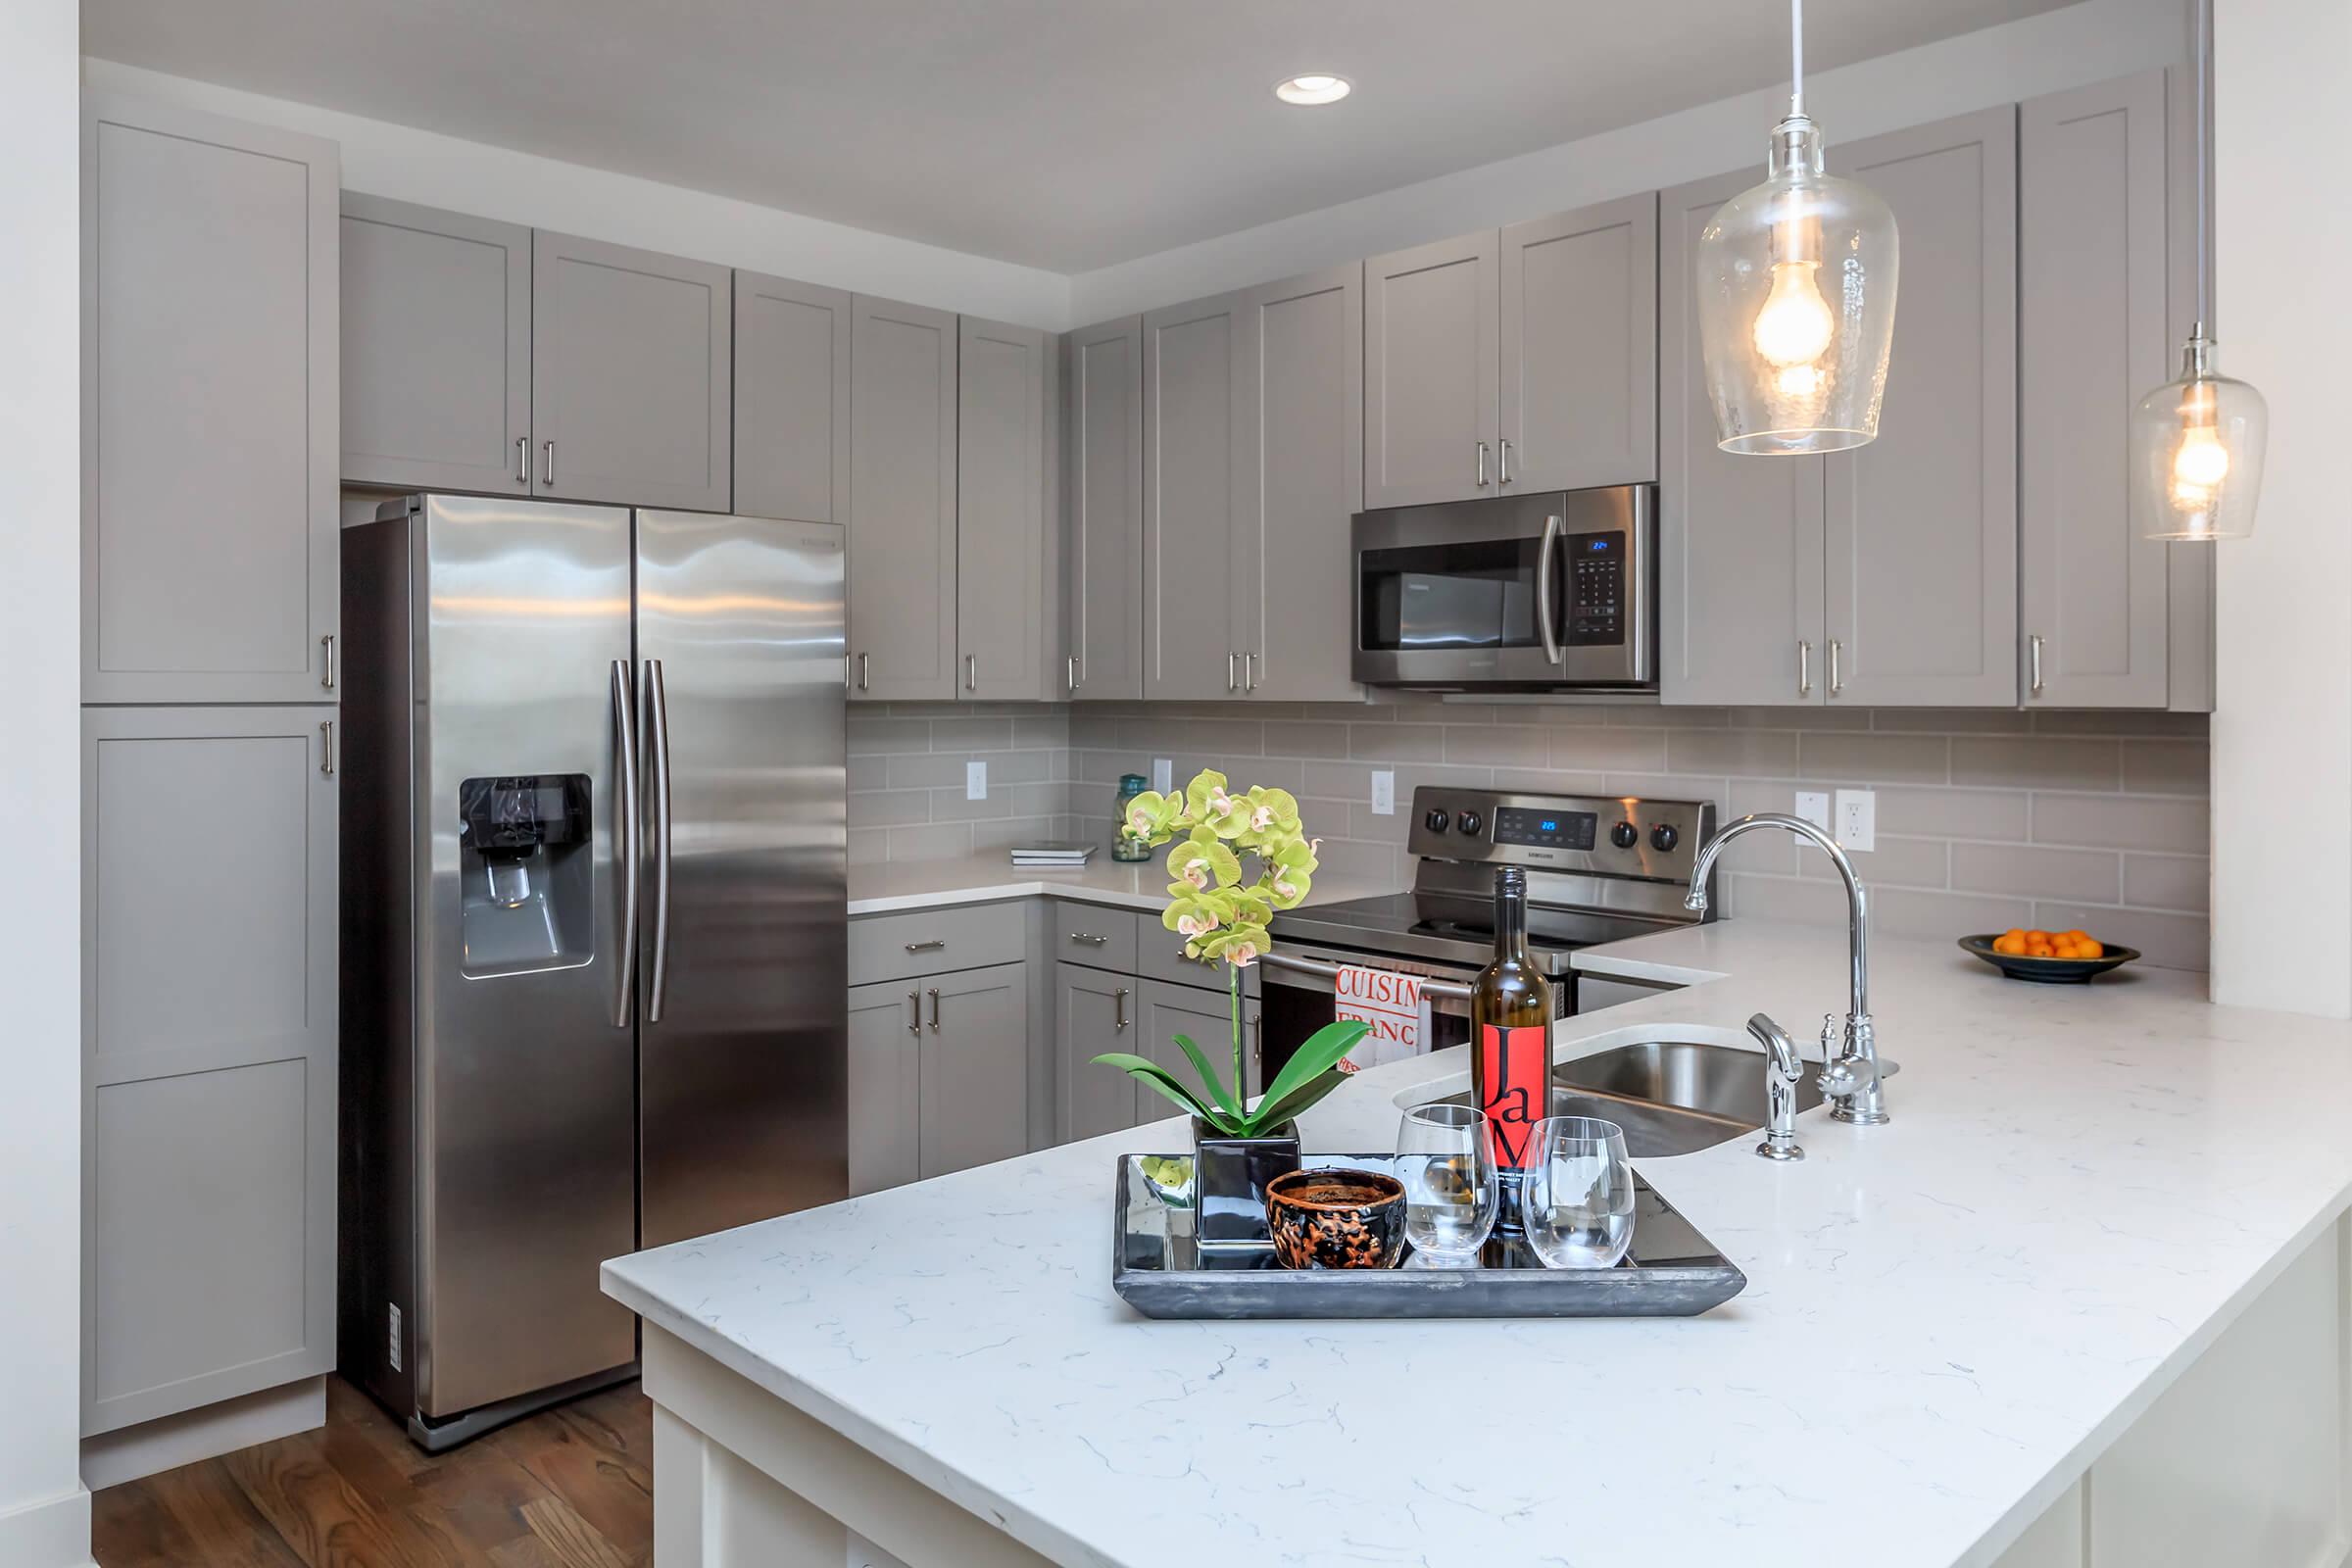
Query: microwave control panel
point(1597, 589)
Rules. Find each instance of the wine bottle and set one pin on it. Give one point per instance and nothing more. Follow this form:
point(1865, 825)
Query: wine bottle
point(1511, 1036)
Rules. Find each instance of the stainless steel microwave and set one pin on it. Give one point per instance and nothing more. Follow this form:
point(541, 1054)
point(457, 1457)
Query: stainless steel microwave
point(1546, 592)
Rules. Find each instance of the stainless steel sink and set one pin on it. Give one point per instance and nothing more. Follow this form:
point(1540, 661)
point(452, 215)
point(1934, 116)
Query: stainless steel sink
point(1672, 1096)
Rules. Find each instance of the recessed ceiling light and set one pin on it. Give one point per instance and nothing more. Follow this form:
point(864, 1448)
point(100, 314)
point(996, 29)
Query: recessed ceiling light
point(1310, 90)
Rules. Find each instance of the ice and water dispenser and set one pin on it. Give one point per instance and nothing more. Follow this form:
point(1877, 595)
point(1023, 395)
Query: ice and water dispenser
point(525, 853)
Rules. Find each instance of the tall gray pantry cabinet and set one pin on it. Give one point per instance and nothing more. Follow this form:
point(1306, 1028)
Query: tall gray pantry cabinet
point(209, 538)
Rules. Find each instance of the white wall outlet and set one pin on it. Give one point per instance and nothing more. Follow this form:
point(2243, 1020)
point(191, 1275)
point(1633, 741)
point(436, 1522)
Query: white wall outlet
point(975, 781)
point(1814, 806)
point(1383, 792)
point(1163, 775)
point(1857, 819)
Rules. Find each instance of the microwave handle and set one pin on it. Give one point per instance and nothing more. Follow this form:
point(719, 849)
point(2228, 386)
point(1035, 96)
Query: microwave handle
point(1544, 613)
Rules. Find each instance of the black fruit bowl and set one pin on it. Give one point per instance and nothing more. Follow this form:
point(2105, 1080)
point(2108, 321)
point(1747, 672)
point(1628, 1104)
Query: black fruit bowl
point(2049, 971)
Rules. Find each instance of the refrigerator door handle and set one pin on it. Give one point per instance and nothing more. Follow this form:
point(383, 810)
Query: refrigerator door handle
point(658, 739)
point(625, 815)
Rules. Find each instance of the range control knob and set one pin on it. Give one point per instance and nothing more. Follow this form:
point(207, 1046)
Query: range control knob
point(1435, 821)
point(1625, 835)
point(1471, 822)
point(1664, 837)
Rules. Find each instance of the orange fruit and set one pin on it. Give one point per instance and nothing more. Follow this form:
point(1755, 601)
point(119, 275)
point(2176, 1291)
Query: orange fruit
point(2076, 935)
point(2012, 943)
point(2090, 948)
point(2016, 931)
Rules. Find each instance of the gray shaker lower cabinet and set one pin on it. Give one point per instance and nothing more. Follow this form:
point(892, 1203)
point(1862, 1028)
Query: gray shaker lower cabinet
point(436, 348)
point(1171, 1010)
point(209, 1054)
point(1093, 1012)
point(792, 400)
point(1007, 561)
point(885, 1095)
point(210, 518)
point(975, 1068)
point(902, 528)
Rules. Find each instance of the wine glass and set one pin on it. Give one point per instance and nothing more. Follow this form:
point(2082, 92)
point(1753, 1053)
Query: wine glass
point(1448, 1176)
point(1578, 1201)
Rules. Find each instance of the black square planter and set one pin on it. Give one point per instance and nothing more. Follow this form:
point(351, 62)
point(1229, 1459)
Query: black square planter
point(1229, 1184)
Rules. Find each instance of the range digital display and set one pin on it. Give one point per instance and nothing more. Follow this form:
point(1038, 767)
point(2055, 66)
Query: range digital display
point(1544, 830)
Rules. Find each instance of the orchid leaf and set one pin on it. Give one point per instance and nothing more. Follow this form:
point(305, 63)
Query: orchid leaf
point(1216, 1085)
point(1319, 1055)
point(1152, 1075)
point(1271, 1113)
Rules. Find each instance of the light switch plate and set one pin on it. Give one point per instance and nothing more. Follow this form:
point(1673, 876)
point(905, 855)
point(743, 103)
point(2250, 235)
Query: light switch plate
point(1163, 775)
point(1857, 819)
point(1383, 792)
point(1814, 806)
point(975, 781)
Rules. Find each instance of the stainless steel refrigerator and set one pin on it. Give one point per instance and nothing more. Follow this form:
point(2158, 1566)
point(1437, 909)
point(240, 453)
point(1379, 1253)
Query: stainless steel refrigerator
point(594, 967)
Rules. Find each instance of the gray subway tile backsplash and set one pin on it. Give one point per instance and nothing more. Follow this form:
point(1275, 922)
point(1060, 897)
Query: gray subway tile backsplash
point(1986, 819)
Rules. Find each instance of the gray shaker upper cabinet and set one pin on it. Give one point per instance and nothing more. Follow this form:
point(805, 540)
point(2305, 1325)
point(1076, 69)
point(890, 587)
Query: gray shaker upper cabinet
point(1195, 487)
point(1300, 422)
point(792, 400)
point(1922, 522)
point(1431, 421)
point(210, 518)
point(436, 348)
point(902, 528)
point(1103, 446)
point(1579, 349)
point(1739, 574)
point(632, 373)
point(1005, 617)
point(2093, 335)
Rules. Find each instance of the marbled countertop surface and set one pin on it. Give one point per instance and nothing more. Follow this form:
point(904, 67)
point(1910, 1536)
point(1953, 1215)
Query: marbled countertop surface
point(1947, 1319)
point(983, 879)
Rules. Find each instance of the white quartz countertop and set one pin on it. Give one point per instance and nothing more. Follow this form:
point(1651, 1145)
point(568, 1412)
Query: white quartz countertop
point(1947, 1318)
point(984, 879)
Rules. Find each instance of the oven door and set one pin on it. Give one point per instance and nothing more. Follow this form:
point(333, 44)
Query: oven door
point(1529, 592)
point(1293, 1004)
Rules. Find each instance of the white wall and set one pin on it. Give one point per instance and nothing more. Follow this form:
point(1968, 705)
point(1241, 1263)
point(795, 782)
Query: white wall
point(471, 177)
point(2283, 729)
point(2083, 44)
point(44, 1514)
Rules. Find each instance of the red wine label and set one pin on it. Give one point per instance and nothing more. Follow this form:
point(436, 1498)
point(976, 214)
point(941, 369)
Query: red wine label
point(1514, 1073)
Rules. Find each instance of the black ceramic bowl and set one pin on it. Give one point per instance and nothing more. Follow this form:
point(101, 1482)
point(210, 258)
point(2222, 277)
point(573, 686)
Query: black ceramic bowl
point(1336, 1220)
point(2049, 971)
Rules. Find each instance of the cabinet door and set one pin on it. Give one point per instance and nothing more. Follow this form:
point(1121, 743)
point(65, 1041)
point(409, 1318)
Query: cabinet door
point(436, 348)
point(1300, 420)
point(1103, 434)
point(1004, 374)
point(792, 400)
point(1579, 349)
point(2092, 340)
point(1430, 387)
point(632, 373)
point(1739, 612)
point(1093, 1012)
point(1194, 496)
point(1170, 1010)
point(208, 975)
point(903, 511)
point(976, 1074)
point(1922, 522)
point(209, 532)
point(885, 1076)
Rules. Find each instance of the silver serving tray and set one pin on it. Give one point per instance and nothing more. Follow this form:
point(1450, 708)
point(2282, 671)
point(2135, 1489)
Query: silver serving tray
point(1161, 1270)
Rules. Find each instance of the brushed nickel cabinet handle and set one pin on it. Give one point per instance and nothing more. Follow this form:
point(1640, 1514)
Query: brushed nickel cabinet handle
point(547, 463)
point(935, 1010)
point(866, 672)
point(1248, 672)
point(1231, 684)
point(1837, 679)
point(522, 460)
point(932, 945)
point(971, 672)
point(1482, 464)
point(327, 748)
point(1118, 1009)
point(1502, 462)
point(1088, 938)
point(2034, 660)
point(1073, 672)
point(1804, 668)
point(326, 650)
point(915, 1014)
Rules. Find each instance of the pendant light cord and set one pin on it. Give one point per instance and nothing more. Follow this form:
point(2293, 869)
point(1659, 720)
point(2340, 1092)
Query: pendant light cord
point(1797, 57)
point(2202, 12)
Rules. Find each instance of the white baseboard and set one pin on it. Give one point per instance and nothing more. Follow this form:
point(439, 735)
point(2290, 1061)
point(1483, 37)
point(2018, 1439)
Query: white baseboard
point(171, 1441)
point(53, 1533)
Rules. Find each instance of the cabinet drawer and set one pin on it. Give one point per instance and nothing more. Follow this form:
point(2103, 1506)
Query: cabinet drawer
point(891, 946)
point(1090, 933)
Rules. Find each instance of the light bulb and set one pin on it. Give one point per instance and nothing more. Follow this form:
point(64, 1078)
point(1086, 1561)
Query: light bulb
point(2201, 461)
point(1794, 326)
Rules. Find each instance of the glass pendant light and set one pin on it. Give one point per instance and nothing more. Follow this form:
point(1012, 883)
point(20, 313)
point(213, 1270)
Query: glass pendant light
point(2196, 443)
point(1796, 297)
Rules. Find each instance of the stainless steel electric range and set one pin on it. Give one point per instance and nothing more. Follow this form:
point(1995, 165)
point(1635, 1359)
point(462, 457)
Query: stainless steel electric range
point(1599, 868)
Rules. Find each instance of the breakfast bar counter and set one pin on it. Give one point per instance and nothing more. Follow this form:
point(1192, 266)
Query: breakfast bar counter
point(2102, 1238)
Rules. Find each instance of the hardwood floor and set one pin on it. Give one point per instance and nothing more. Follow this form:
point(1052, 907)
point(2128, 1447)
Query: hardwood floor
point(570, 1488)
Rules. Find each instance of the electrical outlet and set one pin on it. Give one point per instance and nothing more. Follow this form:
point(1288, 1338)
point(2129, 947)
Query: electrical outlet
point(975, 781)
point(1857, 819)
point(1163, 775)
point(1384, 793)
point(1814, 806)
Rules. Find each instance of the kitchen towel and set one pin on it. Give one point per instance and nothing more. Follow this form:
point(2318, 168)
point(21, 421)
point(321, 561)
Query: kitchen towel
point(1391, 1004)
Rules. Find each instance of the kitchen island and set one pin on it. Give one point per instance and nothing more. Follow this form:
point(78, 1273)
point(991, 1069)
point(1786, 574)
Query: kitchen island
point(2081, 1301)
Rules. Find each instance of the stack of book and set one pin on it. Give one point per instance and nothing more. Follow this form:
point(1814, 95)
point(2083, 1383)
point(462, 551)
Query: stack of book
point(1070, 855)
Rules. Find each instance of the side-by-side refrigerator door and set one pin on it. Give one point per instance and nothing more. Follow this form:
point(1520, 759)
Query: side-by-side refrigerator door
point(527, 1049)
point(743, 924)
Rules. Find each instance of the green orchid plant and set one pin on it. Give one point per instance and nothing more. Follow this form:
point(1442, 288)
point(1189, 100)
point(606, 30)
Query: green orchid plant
point(1238, 858)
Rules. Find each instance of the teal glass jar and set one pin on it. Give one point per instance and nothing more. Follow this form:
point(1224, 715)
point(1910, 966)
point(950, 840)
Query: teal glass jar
point(1124, 845)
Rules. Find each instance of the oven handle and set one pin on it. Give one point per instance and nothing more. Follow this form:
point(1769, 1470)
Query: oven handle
point(1544, 613)
point(1448, 989)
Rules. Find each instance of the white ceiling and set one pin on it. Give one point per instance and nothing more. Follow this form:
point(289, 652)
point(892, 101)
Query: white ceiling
point(1066, 134)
